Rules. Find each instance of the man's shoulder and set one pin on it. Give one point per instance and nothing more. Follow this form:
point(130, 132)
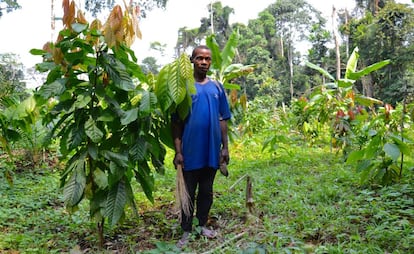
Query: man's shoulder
point(216, 83)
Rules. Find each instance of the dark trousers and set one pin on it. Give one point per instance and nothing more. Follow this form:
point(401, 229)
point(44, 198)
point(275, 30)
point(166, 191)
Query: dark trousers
point(203, 179)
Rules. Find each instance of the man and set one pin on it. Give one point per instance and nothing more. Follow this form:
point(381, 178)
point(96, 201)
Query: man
point(200, 143)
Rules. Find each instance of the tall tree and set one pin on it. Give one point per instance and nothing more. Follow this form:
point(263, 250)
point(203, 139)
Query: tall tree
point(8, 6)
point(372, 6)
point(11, 76)
point(219, 18)
point(293, 21)
point(389, 35)
point(187, 38)
point(319, 52)
point(217, 23)
point(97, 6)
point(149, 65)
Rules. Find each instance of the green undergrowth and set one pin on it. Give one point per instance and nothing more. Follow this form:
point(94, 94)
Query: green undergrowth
point(304, 200)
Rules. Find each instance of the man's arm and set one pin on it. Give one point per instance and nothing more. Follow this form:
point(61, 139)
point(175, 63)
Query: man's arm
point(224, 142)
point(177, 127)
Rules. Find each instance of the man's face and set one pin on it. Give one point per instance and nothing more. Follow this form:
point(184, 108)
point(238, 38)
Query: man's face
point(202, 60)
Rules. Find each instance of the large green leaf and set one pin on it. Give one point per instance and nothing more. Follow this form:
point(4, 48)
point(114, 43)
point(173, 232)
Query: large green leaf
point(146, 179)
point(82, 101)
point(184, 108)
point(148, 103)
point(130, 198)
point(321, 70)
point(176, 82)
point(129, 116)
point(139, 150)
point(100, 178)
point(92, 131)
point(233, 71)
point(120, 159)
point(367, 101)
point(403, 144)
point(355, 156)
point(392, 151)
point(231, 86)
point(115, 203)
point(75, 186)
point(367, 70)
point(117, 72)
point(116, 173)
point(75, 137)
point(162, 90)
point(54, 88)
point(352, 62)
point(216, 60)
point(345, 83)
point(186, 70)
point(229, 51)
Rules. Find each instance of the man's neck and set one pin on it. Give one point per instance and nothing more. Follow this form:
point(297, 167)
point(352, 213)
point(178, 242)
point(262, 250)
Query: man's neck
point(201, 80)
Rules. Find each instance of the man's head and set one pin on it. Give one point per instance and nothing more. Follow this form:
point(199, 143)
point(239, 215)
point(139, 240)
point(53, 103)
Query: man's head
point(201, 58)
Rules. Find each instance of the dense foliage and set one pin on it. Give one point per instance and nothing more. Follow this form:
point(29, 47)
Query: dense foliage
point(276, 38)
point(317, 206)
point(105, 120)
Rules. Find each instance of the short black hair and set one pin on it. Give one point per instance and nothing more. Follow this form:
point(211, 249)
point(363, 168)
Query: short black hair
point(199, 47)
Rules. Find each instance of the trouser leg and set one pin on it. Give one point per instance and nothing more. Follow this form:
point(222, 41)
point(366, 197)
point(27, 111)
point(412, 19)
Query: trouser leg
point(205, 194)
point(190, 178)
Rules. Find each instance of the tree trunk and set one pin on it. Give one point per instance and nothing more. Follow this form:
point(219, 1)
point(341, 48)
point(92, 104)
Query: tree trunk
point(336, 38)
point(249, 195)
point(282, 51)
point(347, 35)
point(290, 56)
point(212, 17)
point(101, 233)
point(367, 86)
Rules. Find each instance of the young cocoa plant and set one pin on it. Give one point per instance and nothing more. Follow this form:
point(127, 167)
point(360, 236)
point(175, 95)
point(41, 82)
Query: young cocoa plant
point(107, 115)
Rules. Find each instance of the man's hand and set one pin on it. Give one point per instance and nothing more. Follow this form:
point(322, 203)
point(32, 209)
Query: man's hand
point(178, 160)
point(224, 156)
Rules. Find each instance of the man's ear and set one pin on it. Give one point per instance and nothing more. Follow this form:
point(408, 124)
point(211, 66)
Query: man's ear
point(191, 59)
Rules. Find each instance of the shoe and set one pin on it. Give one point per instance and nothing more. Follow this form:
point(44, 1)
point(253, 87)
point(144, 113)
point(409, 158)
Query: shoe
point(208, 232)
point(183, 240)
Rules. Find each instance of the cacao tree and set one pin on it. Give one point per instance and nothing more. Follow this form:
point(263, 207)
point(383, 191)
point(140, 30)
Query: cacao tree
point(106, 113)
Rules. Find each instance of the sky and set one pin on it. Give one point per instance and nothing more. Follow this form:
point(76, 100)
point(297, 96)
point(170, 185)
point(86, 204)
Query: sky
point(30, 26)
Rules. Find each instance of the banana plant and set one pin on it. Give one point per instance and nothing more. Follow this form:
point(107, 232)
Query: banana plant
point(343, 88)
point(224, 70)
point(371, 141)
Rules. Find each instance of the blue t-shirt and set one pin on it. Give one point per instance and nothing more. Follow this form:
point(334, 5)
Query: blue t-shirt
point(201, 139)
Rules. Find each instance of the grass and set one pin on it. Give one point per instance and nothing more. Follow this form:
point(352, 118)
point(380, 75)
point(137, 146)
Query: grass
point(306, 200)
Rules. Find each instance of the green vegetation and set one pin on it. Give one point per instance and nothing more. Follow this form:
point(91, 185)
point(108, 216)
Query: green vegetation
point(316, 166)
point(306, 200)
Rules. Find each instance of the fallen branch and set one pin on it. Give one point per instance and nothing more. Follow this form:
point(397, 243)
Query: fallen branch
point(238, 181)
point(220, 247)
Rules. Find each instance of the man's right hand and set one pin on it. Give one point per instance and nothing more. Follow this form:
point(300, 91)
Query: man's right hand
point(178, 160)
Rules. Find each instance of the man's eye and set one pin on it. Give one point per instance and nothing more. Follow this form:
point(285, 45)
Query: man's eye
point(203, 58)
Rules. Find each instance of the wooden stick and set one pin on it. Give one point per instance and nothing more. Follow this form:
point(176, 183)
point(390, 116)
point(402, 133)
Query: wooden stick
point(181, 194)
point(249, 195)
point(238, 181)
